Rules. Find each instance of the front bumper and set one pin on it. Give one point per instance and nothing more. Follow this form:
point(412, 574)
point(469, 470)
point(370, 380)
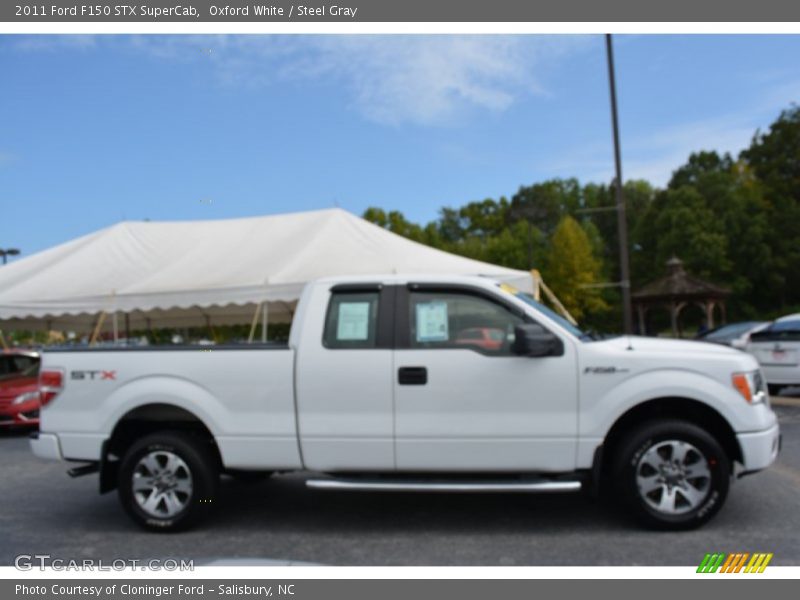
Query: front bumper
point(24, 415)
point(46, 445)
point(759, 448)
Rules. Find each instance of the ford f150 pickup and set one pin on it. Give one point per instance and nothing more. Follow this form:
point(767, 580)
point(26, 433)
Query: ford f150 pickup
point(380, 388)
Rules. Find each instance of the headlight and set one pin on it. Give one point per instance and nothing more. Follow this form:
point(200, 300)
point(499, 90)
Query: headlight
point(750, 386)
point(26, 397)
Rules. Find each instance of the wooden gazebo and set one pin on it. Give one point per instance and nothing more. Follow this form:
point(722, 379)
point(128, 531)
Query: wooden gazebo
point(676, 291)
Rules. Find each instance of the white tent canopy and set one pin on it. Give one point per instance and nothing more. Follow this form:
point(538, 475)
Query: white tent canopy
point(185, 273)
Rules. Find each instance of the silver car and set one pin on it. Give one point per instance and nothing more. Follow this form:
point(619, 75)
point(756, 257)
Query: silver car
point(736, 335)
point(777, 349)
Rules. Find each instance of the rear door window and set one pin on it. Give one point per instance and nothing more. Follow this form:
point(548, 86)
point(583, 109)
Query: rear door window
point(352, 320)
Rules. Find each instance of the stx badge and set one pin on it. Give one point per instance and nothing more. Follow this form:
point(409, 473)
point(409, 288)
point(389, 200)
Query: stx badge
point(93, 375)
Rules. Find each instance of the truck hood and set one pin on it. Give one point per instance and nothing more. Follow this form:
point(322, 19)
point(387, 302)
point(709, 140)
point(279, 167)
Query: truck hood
point(641, 354)
point(649, 345)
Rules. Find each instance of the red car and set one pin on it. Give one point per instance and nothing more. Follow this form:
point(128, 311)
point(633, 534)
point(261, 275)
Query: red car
point(19, 388)
point(488, 338)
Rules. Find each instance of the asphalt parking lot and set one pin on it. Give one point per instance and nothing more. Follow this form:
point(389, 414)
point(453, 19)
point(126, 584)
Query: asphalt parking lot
point(45, 512)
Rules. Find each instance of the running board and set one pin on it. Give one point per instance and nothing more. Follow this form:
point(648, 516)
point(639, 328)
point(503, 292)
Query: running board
point(542, 486)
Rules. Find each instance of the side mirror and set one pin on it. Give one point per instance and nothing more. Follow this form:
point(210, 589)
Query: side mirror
point(531, 339)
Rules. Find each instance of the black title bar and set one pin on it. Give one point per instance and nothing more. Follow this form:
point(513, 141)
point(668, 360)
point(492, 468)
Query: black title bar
point(469, 11)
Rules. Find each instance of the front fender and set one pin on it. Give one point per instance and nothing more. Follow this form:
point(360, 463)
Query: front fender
point(599, 412)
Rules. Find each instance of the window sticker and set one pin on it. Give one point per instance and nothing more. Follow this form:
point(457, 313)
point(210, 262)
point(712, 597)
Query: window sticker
point(353, 322)
point(432, 322)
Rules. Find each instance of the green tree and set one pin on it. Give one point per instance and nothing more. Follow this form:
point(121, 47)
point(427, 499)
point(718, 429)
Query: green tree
point(510, 248)
point(544, 204)
point(639, 195)
point(572, 269)
point(686, 227)
point(484, 219)
point(774, 158)
point(712, 203)
point(395, 222)
point(733, 221)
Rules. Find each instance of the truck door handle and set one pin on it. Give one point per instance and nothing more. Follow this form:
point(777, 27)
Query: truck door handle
point(412, 376)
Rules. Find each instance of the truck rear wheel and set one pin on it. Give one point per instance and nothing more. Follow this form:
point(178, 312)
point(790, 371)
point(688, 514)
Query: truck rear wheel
point(167, 481)
point(671, 475)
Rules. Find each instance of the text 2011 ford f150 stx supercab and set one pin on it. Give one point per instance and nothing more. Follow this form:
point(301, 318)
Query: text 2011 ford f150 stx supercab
point(404, 383)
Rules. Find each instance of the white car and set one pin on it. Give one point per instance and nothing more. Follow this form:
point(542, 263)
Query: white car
point(379, 388)
point(777, 349)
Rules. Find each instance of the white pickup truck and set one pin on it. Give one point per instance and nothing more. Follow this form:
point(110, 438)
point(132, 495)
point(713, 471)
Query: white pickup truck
point(400, 383)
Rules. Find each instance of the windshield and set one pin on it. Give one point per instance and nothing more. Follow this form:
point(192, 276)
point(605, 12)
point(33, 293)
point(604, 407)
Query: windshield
point(18, 365)
point(732, 331)
point(549, 313)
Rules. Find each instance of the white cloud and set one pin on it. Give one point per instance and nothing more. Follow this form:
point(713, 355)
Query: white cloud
point(427, 80)
point(431, 80)
point(439, 80)
point(655, 154)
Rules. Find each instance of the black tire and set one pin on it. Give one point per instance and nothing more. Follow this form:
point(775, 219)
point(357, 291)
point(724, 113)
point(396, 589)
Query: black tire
point(694, 500)
point(774, 390)
point(197, 465)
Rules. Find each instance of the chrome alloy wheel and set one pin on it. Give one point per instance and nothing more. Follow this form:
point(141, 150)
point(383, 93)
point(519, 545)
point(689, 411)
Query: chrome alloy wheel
point(162, 484)
point(673, 477)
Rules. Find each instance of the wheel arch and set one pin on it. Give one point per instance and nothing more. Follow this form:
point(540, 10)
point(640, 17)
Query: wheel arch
point(143, 420)
point(669, 407)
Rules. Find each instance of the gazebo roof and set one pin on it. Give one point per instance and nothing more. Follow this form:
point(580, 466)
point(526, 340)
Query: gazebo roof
point(679, 285)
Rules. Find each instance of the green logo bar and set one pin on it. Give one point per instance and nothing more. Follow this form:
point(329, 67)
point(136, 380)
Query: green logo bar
point(704, 563)
point(711, 562)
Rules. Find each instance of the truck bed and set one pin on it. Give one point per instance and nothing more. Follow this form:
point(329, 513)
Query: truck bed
point(243, 394)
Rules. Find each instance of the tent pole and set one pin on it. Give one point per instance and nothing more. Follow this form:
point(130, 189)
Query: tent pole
point(253, 324)
point(264, 315)
point(557, 303)
point(210, 330)
point(537, 280)
point(96, 332)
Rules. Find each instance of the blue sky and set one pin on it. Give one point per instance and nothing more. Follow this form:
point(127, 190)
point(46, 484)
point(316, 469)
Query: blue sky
point(100, 129)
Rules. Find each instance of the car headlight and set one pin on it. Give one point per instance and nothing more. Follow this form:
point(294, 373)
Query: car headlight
point(751, 386)
point(26, 397)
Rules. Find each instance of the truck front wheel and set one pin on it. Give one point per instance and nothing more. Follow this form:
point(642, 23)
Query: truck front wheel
point(671, 474)
point(167, 481)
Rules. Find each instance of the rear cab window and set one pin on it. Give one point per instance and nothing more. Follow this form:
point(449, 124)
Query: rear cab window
point(352, 320)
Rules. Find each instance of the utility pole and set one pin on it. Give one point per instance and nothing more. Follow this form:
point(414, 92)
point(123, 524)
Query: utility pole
point(622, 222)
